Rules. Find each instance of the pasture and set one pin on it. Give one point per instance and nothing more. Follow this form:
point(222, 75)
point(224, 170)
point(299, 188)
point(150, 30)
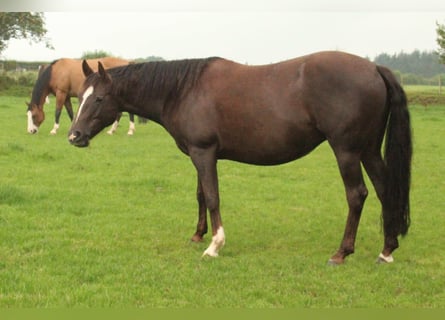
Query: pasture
point(109, 226)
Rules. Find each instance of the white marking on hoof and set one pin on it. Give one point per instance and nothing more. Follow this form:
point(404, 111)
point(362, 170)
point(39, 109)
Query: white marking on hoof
point(218, 241)
point(113, 127)
point(55, 128)
point(132, 129)
point(32, 128)
point(383, 259)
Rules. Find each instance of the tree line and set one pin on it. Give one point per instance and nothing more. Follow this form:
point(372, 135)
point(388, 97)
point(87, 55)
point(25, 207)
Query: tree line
point(417, 67)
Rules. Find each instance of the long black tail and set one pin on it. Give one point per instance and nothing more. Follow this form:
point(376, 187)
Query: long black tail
point(398, 153)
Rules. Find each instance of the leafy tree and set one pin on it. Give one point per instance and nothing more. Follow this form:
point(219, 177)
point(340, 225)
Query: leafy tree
point(95, 54)
point(22, 25)
point(441, 41)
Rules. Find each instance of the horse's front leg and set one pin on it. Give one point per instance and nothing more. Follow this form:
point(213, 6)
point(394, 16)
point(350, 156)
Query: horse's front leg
point(69, 108)
point(115, 124)
point(131, 128)
point(205, 163)
point(61, 98)
point(201, 227)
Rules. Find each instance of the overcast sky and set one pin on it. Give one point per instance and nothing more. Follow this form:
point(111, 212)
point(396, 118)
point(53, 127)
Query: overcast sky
point(255, 32)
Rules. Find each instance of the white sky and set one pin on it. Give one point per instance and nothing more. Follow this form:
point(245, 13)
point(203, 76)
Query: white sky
point(246, 31)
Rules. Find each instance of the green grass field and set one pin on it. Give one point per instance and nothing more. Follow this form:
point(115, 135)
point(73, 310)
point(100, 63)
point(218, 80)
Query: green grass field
point(109, 226)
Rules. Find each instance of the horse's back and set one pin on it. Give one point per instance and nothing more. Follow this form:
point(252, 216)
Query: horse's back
point(276, 113)
point(67, 73)
point(109, 62)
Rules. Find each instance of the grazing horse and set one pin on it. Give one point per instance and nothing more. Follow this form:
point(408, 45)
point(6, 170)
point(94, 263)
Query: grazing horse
point(63, 78)
point(269, 115)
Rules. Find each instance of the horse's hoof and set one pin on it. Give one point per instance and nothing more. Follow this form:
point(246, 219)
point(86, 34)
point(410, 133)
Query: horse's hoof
point(336, 260)
point(53, 132)
point(335, 263)
point(197, 238)
point(209, 253)
point(384, 260)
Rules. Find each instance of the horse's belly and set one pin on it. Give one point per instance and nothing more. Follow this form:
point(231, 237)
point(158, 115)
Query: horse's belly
point(273, 153)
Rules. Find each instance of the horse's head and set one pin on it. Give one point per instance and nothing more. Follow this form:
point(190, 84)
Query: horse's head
point(36, 115)
point(98, 106)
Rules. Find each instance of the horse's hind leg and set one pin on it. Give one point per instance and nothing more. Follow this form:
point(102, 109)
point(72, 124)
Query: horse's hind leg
point(201, 227)
point(356, 192)
point(376, 168)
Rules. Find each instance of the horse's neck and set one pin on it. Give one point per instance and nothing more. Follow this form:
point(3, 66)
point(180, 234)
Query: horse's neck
point(150, 106)
point(41, 99)
point(151, 109)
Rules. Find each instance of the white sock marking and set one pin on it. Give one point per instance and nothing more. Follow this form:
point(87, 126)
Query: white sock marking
point(55, 128)
point(113, 127)
point(387, 259)
point(132, 129)
point(88, 92)
point(218, 241)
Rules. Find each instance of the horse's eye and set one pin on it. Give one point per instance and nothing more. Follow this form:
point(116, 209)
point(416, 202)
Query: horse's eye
point(99, 98)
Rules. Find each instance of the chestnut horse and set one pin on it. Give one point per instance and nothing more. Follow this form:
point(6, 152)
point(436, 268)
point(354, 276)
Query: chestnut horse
point(63, 78)
point(269, 115)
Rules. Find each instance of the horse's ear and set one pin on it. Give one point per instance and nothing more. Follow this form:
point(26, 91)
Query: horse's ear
point(86, 68)
point(103, 74)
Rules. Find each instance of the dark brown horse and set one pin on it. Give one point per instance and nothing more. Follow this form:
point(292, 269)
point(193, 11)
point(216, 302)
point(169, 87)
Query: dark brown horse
point(269, 115)
point(63, 78)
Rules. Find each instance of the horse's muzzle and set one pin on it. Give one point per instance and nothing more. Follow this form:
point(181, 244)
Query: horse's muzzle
point(78, 139)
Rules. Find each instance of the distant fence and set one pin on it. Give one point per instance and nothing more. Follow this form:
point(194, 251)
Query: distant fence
point(12, 65)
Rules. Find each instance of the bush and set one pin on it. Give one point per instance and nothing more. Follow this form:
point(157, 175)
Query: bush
point(17, 83)
point(424, 95)
point(5, 81)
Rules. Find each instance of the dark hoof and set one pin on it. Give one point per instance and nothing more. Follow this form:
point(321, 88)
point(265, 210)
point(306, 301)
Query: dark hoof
point(197, 238)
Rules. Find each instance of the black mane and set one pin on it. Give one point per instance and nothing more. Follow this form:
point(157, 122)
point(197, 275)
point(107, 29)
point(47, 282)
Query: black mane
point(41, 84)
point(170, 80)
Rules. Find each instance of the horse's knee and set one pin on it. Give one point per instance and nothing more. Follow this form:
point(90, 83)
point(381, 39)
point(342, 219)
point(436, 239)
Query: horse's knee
point(363, 192)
